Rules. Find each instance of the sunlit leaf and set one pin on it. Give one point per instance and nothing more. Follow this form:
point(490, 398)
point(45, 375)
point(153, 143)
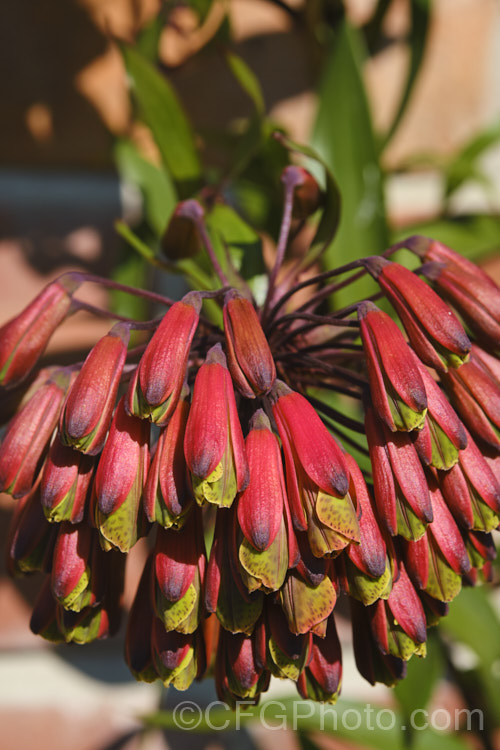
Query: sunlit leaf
point(160, 107)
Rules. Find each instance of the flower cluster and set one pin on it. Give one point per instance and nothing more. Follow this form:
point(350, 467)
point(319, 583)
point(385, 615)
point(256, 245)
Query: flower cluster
point(230, 447)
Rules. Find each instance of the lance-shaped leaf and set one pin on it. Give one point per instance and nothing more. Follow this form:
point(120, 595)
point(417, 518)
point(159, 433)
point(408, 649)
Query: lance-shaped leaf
point(120, 479)
point(138, 654)
point(28, 435)
point(396, 386)
point(225, 592)
point(469, 289)
point(167, 495)
point(88, 408)
point(399, 483)
point(471, 490)
point(322, 678)
point(434, 331)
point(443, 434)
point(249, 358)
point(157, 383)
point(213, 445)
point(305, 605)
point(24, 338)
point(65, 483)
point(179, 565)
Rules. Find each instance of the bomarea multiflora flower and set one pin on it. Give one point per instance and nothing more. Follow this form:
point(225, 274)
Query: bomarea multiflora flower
point(221, 438)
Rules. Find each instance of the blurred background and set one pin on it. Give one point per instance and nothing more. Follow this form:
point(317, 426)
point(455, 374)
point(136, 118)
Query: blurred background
point(401, 98)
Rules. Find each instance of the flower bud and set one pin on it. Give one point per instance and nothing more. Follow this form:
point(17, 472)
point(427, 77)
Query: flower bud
point(119, 481)
point(287, 653)
point(474, 390)
point(65, 483)
point(372, 664)
point(24, 338)
point(434, 331)
point(396, 386)
point(249, 357)
point(399, 483)
point(138, 653)
point(237, 675)
point(213, 443)
point(322, 678)
point(307, 196)
point(443, 435)
point(466, 286)
point(167, 496)
point(471, 490)
point(88, 409)
point(28, 436)
point(225, 592)
point(157, 383)
point(317, 477)
point(174, 656)
point(179, 567)
point(305, 605)
point(181, 238)
point(31, 538)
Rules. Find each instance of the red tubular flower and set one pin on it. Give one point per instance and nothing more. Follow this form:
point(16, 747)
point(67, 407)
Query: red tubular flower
point(167, 496)
point(396, 386)
point(80, 568)
point(120, 479)
point(472, 491)
point(399, 483)
point(438, 560)
point(237, 675)
point(398, 624)
point(88, 409)
point(31, 538)
point(179, 567)
point(443, 434)
point(316, 474)
point(286, 654)
point(175, 656)
point(213, 445)
point(24, 338)
point(466, 286)
point(249, 357)
point(322, 678)
point(434, 331)
point(28, 436)
point(138, 653)
point(474, 390)
point(225, 592)
point(65, 483)
point(368, 569)
point(372, 664)
point(269, 547)
point(157, 383)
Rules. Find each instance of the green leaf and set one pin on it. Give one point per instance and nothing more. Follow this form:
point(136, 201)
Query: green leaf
point(247, 80)
point(162, 112)
point(148, 39)
point(473, 621)
point(232, 235)
point(417, 41)
point(343, 136)
point(155, 184)
point(463, 166)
